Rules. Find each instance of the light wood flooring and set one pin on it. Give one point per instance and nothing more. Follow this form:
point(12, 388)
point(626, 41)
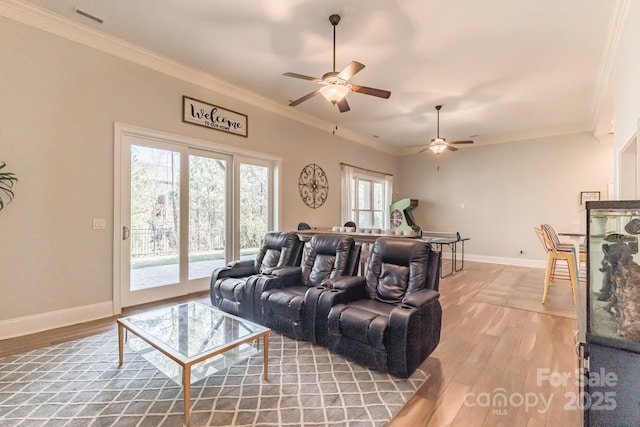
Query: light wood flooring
point(486, 352)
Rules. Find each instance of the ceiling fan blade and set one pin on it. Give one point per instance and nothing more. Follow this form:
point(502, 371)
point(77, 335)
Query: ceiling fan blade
point(461, 142)
point(304, 98)
point(371, 91)
point(343, 105)
point(350, 70)
point(303, 77)
point(423, 150)
point(451, 148)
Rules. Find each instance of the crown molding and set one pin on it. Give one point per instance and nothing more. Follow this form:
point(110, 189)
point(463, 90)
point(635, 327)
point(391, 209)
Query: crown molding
point(55, 24)
point(616, 26)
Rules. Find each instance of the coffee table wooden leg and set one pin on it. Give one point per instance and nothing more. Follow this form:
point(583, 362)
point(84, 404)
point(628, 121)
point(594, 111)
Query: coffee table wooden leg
point(186, 385)
point(265, 355)
point(120, 344)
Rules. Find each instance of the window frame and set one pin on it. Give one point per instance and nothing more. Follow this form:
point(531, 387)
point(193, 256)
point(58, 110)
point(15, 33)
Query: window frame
point(354, 176)
point(356, 210)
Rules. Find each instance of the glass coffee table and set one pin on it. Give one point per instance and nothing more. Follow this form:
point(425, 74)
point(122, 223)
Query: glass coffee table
point(191, 341)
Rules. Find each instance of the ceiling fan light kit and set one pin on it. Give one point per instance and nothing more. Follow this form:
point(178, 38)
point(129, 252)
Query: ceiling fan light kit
point(335, 86)
point(438, 144)
point(335, 92)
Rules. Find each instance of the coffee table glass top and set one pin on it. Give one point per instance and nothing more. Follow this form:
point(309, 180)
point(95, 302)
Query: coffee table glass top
point(189, 332)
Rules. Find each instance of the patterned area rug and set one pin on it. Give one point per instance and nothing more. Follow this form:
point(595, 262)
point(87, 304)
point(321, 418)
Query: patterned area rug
point(78, 383)
point(521, 288)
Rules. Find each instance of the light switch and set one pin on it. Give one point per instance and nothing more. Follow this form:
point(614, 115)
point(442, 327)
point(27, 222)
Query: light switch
point(99, 224)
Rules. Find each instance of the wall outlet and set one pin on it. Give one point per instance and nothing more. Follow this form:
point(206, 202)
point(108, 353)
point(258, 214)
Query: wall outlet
point(99, 224)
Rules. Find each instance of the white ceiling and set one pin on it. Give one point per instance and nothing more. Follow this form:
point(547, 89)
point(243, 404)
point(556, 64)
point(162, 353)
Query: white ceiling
point(503, 70)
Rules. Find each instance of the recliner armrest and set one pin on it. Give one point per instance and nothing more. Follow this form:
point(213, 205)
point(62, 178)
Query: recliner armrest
point(272, 271)
point(286, 272)
point(280, 278)
point(344, 282)
point(421, 297)
point(344, 290)
point(339, 290)
point(241, 263)
point(413, 331)
point(239, 268)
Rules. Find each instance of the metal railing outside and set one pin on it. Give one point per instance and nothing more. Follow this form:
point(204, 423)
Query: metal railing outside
point(164, 241)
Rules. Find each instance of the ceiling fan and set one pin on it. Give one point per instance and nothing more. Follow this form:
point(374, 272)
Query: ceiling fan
point(334, 85)
point(438, 144)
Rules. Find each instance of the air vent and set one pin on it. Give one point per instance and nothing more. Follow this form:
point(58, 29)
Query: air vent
point(89, 16)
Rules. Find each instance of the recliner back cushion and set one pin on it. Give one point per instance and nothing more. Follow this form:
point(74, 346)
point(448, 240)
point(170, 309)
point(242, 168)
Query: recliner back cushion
point(277, 250)
point(397, 268)
point(327, 258)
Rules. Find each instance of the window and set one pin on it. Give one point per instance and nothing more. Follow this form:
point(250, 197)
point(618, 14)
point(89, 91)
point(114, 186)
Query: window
point(366, 197)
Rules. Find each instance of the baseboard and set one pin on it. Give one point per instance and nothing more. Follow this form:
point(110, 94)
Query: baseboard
point(521, 262)
point(54, 319)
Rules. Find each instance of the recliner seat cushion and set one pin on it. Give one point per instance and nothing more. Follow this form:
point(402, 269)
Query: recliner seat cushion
point(363, 326)
point(287, 302)
point(231, 288)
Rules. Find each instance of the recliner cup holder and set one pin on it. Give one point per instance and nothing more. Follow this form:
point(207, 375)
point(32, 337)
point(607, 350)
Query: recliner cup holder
point(405, 307)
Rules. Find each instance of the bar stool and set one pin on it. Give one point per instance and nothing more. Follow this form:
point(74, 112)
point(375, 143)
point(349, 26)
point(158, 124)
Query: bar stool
point(555, 253)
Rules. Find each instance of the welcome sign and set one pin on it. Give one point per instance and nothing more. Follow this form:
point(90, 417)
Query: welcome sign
point(213, 117)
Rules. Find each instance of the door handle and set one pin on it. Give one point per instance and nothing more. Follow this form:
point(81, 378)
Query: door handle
point(125, 232)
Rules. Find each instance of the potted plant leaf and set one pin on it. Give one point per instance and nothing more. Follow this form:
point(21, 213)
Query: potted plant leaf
point(7, 179)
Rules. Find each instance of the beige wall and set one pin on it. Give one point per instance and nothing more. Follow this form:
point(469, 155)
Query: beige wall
point(627, 88)
point(58, 104)
point(506, 190)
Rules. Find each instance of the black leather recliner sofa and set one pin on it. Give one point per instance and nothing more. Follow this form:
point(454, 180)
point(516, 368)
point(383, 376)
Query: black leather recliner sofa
point(236, 288)
point(290, 296)
point(390, 319)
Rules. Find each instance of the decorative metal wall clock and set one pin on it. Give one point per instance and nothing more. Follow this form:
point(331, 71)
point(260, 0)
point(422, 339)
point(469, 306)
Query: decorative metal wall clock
point(314, 185)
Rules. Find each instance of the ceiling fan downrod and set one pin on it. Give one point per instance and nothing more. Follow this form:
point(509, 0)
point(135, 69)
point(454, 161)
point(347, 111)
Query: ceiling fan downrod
point(334, 19)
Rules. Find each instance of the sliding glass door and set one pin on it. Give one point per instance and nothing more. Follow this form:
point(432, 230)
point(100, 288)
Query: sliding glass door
point(175, 219)
point(184, 208)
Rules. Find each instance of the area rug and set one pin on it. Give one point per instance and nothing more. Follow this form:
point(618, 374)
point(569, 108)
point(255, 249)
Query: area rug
point(78, 383)
point(521, 288)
